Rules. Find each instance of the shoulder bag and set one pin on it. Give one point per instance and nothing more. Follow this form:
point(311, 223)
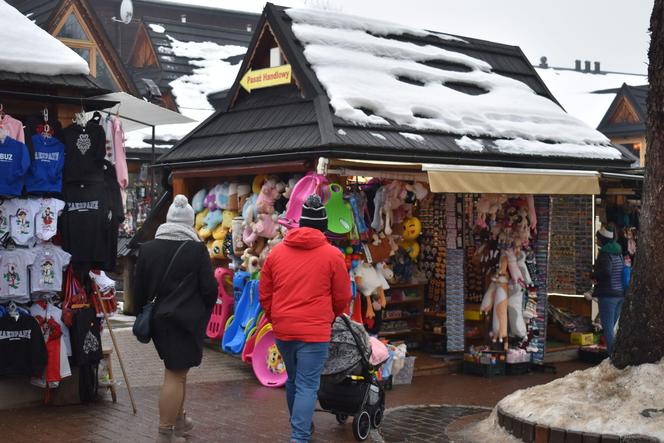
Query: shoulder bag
point(142, 327)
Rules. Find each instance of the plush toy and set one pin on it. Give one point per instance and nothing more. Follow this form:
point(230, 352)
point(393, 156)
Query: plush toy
point(257, 184)
point(250, 262)
point(217, 249)
point(402, 265)
point(210, 222)
point(380, 248)
point(368, 283)
point(519, 280)
point(200, 219)
point(236, 230)
point(225, 226)
point(496, 298)
point(488, 205)
point(249, 217)
point(269, 193)
point(198, 201)
point(275, 362)
point(233, 204)
point(419, 190)
point(243, 192)
point(412, 228)
point(210, 201)
point(290, 185)
point(221, 195)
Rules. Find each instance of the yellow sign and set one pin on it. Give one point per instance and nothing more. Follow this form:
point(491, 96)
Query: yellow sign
point(265, 78)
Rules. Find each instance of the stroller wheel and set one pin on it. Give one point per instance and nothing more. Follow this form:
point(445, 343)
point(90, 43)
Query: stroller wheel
point(377, 418)
point(341, 418)
point(361, 426)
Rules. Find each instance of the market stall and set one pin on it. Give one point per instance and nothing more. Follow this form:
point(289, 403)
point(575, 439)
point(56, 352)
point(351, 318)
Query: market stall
point(455, 179)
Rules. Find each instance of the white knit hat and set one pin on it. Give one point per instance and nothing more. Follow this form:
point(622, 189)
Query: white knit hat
point(180, 211)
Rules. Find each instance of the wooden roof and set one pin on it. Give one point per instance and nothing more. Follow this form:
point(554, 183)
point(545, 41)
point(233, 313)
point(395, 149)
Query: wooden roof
point(627, 114)
point(292, 122)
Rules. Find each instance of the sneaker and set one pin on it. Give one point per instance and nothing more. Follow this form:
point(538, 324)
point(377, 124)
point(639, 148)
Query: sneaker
point(183, 425)
point(167, 435)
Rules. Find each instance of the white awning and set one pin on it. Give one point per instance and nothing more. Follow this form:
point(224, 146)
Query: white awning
point(136, 113)
point(496, 180)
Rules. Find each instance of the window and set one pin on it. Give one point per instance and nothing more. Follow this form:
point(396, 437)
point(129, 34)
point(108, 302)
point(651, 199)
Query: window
point(74, 33)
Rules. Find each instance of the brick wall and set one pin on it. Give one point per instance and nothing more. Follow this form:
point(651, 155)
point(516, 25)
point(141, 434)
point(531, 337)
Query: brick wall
point(570, 260)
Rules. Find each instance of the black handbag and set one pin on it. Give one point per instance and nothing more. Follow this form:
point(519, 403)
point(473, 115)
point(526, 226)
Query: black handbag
point(142, 328)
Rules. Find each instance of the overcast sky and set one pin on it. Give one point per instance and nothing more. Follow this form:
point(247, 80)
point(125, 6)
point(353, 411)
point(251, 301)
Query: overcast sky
point(613, 32)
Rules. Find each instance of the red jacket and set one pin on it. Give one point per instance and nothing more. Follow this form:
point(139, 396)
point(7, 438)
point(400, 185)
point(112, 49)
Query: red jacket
point(304, 285)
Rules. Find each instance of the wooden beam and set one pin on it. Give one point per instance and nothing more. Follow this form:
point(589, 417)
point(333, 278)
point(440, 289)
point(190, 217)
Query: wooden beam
point(232, 170)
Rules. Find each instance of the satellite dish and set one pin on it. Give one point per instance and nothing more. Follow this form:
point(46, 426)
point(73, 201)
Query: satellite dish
point(126, 11)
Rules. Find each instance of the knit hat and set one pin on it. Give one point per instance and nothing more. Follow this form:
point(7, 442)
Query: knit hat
point(180, 211)
point(314, 214)
point(605, 234)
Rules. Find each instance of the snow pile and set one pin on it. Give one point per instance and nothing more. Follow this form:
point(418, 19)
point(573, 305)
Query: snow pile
point(521, 146)
point(157, 28)
point(212, 73)
point(488, 431)
point(411, 136)
point(372, 79)
point(574, 91)
point(378, 136)
point(600, 399)
point(29, 49)
point(468, 144)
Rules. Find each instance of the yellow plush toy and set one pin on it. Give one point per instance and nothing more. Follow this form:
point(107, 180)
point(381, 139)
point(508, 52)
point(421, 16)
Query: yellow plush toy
point(224, 227)
point(412, 228)
point(217, 249)
point(200, 218)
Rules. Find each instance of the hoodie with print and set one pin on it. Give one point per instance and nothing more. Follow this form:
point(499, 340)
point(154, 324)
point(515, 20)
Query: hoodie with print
point(14, 162)
point(45, 174)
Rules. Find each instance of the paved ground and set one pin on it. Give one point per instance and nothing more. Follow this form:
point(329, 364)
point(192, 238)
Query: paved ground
point(228, 405)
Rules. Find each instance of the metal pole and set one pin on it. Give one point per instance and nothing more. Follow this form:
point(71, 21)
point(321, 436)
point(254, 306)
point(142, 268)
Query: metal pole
point(117, 351)
point(152, 169)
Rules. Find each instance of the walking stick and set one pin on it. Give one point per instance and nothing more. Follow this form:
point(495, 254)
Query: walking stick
point(117, 351)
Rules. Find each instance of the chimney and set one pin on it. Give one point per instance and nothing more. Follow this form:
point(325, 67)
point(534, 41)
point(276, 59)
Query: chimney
point(597, 69)
point(543, 62)
point(183, 18)
point(577, 65)
point(586, 66)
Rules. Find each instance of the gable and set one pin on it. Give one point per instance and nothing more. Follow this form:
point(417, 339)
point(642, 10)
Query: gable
point(624, 113)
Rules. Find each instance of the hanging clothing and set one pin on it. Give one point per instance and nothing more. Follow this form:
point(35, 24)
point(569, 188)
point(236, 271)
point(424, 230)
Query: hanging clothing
point(56, 337)
point(14, 275)
point(5, 213)
point(47, 268)
point(84, 224)
point(46, 221)
point(22, 219)
point(14, 163)
point(13, 128)
point(115, 215)
point(48, 160)
point(84, 153)
point(22, 349)
point(120, 154)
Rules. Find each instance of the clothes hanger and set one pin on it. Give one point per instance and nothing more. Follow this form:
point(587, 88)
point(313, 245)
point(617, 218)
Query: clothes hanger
point(46, 129)
point(12, 310)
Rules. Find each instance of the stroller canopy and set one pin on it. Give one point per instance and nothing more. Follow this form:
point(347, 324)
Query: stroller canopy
point(345, 354)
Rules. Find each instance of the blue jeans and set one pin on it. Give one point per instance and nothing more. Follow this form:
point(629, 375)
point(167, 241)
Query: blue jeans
point(609, 312)
point(304, 363)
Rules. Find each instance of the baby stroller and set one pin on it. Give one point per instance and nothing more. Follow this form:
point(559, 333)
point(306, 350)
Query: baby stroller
point(349, 386)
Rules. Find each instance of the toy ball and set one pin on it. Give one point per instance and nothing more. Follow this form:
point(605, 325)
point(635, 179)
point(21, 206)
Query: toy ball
point(412, 228)
point(349, 250)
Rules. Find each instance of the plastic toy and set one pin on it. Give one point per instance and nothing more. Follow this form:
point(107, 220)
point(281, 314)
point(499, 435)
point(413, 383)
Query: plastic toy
point(312, 183)
point(223, 308)
point(339, 213)
point(267, 363)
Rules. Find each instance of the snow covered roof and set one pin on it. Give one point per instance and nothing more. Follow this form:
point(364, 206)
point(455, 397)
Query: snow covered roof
point(28, 49)
point(576, 91)
point(370, 84)
point(195, 61)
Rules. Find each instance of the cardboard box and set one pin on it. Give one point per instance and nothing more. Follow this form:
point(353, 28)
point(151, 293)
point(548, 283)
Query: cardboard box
point(582, 338)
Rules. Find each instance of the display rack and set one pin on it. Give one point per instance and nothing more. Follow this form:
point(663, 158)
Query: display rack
point(404, 314)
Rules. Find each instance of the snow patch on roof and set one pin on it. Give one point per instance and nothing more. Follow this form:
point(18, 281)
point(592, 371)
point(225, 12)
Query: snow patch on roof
point(157, 28)
point(520, 146)
point(351, 22)
point(341, 132)
point(600, 398)
point(373, 80)
point(377, 135)
point(574, 91)
point(468, 144)
point(212, 73)
point(28, 49)
point(411, 136)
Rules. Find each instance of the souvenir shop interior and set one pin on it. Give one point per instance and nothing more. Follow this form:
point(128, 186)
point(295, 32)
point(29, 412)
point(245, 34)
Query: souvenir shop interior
point(62, 201)
point(436, 275)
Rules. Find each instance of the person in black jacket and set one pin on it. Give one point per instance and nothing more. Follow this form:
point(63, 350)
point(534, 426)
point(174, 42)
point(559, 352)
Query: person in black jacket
point(608, 277)
point(180, 347)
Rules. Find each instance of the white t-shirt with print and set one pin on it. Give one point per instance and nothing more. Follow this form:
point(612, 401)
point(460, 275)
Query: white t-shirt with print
point(47, 267)
point(5, 212)
point(22, 219)
point(46, 221)
point(14, 275)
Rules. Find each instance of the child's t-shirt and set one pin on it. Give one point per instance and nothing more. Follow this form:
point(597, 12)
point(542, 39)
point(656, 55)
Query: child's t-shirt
point(46, 222)
point(14, 275)
point(22, 220)
point(47, 268)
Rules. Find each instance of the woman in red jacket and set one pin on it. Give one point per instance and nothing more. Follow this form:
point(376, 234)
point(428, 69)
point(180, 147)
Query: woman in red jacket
point(304, 286)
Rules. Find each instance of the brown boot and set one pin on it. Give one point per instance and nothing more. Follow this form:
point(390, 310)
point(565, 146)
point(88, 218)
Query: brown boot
point(183, 425)
point(167, 435)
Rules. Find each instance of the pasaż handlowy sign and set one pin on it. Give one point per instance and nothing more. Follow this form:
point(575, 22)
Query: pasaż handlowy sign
point(264, 78)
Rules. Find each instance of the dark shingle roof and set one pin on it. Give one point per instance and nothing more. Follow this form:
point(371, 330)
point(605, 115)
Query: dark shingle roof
point(636, 96)
point(292, 123)
point(84, 84)
point(40, 11)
